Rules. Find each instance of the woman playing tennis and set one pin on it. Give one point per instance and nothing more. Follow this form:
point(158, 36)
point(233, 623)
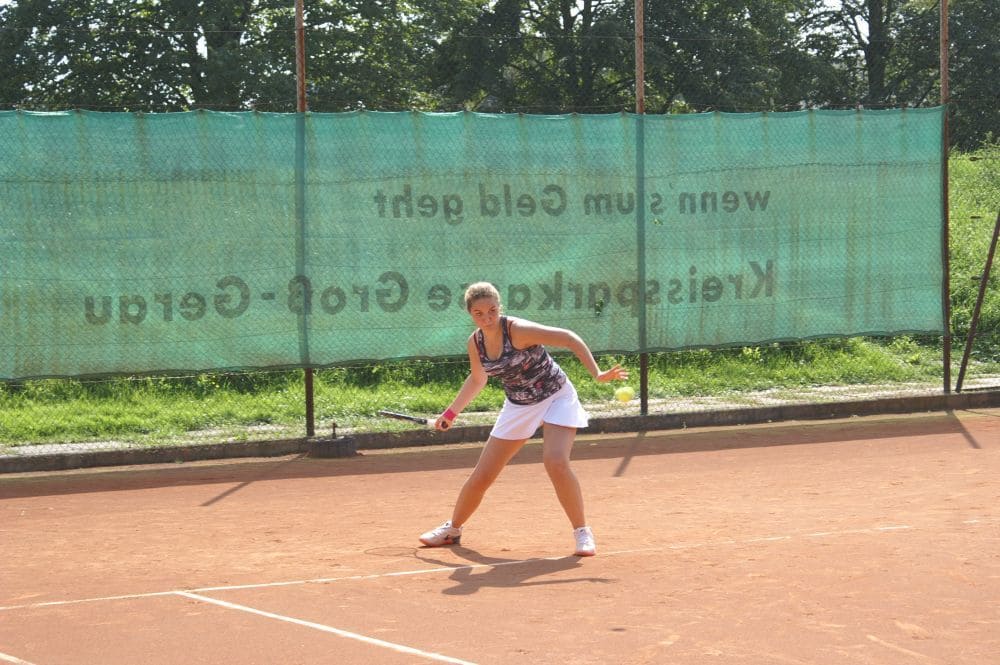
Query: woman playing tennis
point(538, 393)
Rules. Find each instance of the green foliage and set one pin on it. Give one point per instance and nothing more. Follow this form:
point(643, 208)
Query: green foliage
point(535, 56)
point(830, 362)
point(152, 410)
point(732, 56)
point(975, 203)
point(975, 65)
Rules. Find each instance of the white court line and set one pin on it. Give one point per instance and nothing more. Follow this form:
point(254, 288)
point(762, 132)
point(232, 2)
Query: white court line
point(767, 539)
point(448, 569)
point(12, 659)
point(328, 629)
point(56, 603)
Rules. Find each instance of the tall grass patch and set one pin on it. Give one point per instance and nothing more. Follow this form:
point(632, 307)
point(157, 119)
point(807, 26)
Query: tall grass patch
point(974, 195)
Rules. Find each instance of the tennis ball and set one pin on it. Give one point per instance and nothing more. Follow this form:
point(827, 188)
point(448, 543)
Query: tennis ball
point(624, 394)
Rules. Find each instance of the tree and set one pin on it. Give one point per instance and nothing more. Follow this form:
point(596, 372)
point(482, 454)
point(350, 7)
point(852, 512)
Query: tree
point(885, 53)
point(137, 55)
point(15, 59)
point(723, 54)
point(378, 55)
point(975, 72)
point(579, 56)
point(169, 55)
point(539, 56)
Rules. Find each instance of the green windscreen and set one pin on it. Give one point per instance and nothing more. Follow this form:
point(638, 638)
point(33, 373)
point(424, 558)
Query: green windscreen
point(174, 242)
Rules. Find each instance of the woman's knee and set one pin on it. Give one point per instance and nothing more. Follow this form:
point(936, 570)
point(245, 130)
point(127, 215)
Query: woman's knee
point(556, 464)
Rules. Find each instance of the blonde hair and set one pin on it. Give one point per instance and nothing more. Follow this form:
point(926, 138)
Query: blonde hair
point(480, 290)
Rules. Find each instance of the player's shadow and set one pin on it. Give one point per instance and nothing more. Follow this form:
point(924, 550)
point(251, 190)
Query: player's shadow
point(485, 571)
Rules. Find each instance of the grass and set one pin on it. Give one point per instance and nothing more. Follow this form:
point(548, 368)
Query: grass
point(974, 195)
point(261, 405)
point(214, 407)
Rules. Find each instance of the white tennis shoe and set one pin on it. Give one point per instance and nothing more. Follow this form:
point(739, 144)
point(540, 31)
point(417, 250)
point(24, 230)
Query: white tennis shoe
point(445, 534)
point(585, 545)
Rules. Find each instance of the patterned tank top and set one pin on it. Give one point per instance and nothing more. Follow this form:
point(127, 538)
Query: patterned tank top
point(528, 375)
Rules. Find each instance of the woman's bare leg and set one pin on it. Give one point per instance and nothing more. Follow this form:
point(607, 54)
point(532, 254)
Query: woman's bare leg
point(557, 443)
point(496, 453)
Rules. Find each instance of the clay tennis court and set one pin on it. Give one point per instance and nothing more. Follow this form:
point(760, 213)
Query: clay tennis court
point(869, 540)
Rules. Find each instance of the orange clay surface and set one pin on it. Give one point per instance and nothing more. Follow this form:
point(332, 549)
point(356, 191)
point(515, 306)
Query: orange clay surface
point(869, 540)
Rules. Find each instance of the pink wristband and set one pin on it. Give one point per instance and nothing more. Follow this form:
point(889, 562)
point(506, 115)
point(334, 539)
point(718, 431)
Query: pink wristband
point(449, 414)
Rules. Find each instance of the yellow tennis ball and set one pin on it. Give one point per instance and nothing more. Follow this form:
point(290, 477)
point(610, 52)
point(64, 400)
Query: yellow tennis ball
point(624, 394)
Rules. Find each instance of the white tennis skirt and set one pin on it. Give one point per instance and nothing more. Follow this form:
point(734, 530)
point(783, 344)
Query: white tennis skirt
point(521, 421)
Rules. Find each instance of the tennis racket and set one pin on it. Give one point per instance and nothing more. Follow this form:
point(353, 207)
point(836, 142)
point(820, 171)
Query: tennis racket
point(405, 416)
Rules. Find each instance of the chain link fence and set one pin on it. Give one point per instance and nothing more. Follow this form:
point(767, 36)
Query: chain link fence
point(188, 247)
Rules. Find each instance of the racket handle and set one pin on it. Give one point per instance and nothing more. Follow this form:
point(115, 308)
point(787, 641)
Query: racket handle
point(403, 416)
